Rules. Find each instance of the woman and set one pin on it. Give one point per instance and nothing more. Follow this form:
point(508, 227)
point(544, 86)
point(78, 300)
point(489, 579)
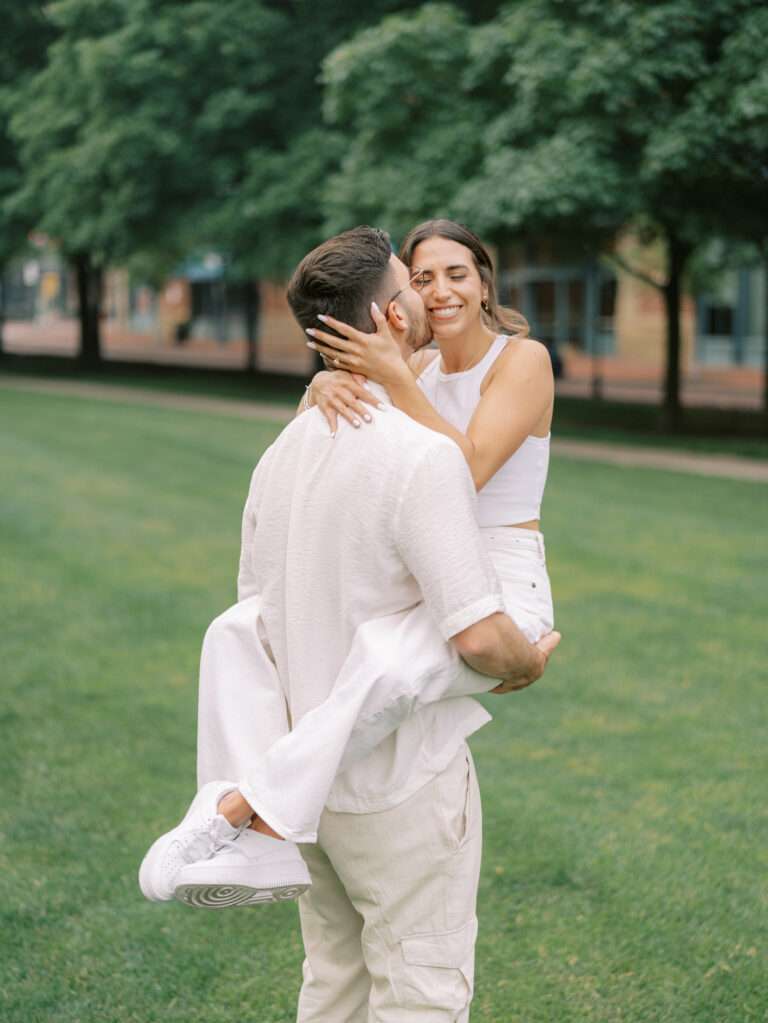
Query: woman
point(488, 386)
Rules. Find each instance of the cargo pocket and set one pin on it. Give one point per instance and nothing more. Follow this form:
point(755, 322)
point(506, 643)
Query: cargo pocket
point(439, 969)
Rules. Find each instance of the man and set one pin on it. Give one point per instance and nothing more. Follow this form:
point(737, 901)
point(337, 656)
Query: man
point(337, 535)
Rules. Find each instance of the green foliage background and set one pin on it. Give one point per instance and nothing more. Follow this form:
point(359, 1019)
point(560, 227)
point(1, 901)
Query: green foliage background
point(140, 132)
point(257, 128)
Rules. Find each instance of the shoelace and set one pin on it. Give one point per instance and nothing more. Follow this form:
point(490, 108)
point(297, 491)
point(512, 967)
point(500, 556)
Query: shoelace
point(201, 843)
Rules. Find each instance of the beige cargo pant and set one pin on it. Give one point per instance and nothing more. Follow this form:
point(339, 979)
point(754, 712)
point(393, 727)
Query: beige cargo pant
point(389, 923)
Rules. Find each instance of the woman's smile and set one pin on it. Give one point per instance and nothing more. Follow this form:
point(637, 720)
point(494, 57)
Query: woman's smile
point(445, 312)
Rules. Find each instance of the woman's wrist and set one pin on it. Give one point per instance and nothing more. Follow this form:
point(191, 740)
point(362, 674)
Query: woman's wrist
point(310, 391)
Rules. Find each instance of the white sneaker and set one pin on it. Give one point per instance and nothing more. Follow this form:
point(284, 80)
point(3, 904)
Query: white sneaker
point(254, 868)
point(198, 836)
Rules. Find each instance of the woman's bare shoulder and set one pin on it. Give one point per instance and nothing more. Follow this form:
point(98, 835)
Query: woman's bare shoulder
point(524, 352)
point(523, 362)
point(419, 361)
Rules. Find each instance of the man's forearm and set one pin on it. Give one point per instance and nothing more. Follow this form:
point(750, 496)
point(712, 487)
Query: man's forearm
point(496, 647)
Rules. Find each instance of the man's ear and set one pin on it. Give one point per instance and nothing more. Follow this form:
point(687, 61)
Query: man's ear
point(397, 318)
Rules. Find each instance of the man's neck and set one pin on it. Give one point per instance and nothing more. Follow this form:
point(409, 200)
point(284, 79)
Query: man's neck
point(380, 392)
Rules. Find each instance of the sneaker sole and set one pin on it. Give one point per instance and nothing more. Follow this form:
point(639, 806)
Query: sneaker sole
point(219, 896)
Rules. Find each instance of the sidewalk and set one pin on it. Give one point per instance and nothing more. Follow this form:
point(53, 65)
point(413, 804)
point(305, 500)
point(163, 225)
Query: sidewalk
point(730, 467)
point(737, 387)
point(630, 456)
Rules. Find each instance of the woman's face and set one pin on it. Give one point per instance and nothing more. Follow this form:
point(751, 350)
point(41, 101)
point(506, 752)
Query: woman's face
point(450, 286)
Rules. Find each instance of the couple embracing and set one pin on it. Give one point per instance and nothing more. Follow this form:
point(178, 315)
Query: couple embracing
point(391, 567)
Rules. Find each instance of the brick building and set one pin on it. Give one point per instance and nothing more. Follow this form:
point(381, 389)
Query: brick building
point(587, 311)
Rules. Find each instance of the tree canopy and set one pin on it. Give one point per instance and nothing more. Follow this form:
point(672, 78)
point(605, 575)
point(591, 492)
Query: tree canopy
point(256, 128)
point(161, 127)
point(23, 45)
point(565, 119)
point(411, 127)
point(139, 115)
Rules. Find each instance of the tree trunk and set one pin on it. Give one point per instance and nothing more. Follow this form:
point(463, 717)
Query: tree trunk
point(592, 343)
point(89, 284)
point(765, 337)
point(252, 314)
point(677, 256)
point(2, 308)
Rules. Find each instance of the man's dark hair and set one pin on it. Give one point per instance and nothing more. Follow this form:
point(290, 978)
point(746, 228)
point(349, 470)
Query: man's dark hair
point(341, 278)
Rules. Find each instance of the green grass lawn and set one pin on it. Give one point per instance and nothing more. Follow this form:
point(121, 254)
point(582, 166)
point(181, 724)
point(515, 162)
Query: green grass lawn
point(704, 430)
point(626, 819)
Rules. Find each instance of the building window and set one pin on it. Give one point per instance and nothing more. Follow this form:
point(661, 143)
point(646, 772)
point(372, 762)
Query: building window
point(718, 319)
point(730, 320)
point(565, 304)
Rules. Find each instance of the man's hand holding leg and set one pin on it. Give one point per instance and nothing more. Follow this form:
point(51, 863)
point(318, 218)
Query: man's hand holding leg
point(496, 647)
point(532, 672)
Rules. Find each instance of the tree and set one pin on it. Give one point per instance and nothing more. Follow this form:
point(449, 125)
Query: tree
point(276, 204)
point(164, 127)
point(740, 95)
point(411, 128)
point(26, 35)
point(630, 95)
point(134, 122)
point(272, 211)
point(572, 119)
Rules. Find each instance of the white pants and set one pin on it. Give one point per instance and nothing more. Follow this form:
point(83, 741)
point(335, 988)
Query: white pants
point(396, 665)
point(389, 923)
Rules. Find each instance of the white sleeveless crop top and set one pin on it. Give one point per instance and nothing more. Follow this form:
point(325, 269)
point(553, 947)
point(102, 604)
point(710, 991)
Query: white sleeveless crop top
point(514, 493)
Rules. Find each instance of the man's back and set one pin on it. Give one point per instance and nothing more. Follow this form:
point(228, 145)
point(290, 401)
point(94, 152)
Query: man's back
point(339, 531)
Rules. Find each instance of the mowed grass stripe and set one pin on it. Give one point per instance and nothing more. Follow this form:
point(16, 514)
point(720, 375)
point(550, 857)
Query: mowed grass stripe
point(624, 795)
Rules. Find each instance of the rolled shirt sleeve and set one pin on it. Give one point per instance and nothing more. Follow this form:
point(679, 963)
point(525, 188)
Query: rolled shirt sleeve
point(437, 535)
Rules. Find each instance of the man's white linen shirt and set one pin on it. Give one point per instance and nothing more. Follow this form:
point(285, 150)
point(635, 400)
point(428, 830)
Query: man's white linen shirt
point(337, 531)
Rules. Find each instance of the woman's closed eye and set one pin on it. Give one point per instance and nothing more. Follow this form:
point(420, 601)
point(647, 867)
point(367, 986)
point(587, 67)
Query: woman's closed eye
point(424, 281)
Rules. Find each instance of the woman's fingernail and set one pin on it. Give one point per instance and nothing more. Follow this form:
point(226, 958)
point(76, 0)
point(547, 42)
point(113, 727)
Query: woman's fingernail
point(375, 307)
point(367, 418)
point(355, 422)
point(323, 319)
point(310, 344)
point(382, 408)
point(310, 331)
